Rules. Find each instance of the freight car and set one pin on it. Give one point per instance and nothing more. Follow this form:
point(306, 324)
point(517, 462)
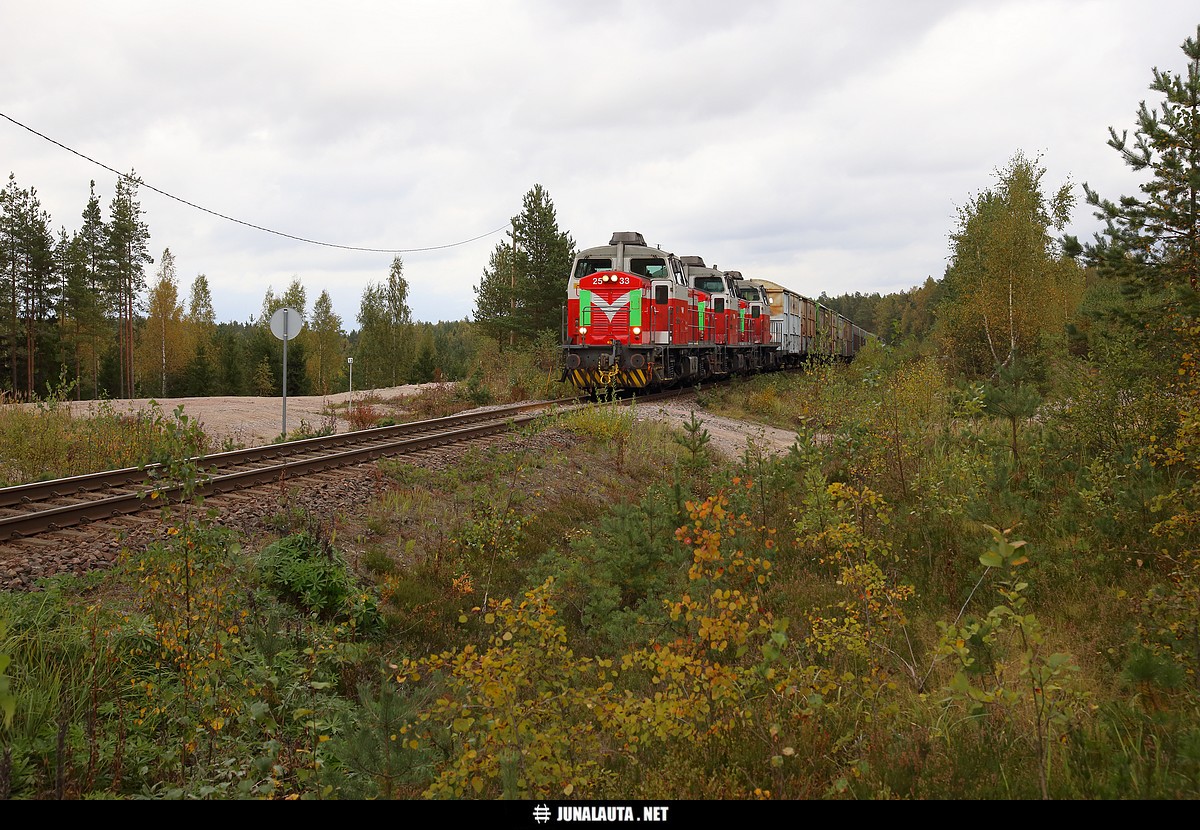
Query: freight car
point(640, 317)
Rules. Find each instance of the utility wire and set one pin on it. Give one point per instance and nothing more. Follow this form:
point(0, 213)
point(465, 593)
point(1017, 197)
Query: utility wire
point(138, 181)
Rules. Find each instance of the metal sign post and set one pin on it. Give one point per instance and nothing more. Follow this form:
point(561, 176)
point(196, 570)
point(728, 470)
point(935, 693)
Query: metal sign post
point(286, 323)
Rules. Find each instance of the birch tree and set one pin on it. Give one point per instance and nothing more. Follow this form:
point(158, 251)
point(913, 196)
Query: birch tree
point(385, 330)
point(325, 354)
point(164, 349)
point(1008, 286)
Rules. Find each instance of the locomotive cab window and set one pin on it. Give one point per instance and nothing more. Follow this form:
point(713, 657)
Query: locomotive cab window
point(591, 265)
point(652, 268)
point(661, 294)
point(713, 285)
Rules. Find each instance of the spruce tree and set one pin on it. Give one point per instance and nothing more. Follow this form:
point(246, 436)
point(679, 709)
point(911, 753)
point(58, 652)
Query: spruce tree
point(544, 255)
point(523, 289)
point(495, 299)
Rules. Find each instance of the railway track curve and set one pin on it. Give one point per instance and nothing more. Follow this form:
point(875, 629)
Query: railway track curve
point(82, 523)
point(30, 509)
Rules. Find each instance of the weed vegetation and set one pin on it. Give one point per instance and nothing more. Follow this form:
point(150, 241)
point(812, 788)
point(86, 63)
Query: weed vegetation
point(914, 602)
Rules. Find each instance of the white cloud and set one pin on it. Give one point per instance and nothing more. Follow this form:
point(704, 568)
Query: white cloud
point(821, 146)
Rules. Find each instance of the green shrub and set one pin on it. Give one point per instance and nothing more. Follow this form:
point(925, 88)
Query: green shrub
point(311, 573)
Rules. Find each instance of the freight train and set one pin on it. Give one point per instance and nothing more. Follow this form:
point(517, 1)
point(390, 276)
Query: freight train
point(638, 317)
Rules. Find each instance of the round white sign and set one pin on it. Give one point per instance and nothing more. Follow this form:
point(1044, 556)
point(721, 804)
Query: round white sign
point(286, 323)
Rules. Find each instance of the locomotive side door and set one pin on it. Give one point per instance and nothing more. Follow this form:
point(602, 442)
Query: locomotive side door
point(660, 312)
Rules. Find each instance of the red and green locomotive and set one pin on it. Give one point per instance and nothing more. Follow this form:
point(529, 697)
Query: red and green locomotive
point(639, 317)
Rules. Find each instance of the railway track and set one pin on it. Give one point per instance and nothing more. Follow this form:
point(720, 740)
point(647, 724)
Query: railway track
point(31, 509)
point(82, 523)
point(27, 510)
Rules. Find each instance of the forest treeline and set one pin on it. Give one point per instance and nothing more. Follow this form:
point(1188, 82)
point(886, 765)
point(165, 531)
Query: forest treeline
point(92, 314)
point(84, 313)
point(84, 318)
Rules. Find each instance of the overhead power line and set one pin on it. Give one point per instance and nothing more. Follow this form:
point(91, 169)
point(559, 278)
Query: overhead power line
point(141, 183)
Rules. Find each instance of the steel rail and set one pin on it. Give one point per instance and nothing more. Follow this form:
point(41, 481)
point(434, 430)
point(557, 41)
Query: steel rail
point(307, 456)
point(22, 495)
point(57, 518)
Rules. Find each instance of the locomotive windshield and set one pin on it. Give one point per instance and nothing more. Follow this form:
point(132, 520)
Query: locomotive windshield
point(649, 267)
point(591, 265)
point(713, 285)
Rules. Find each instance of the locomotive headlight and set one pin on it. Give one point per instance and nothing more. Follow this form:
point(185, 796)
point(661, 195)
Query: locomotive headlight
point(637, 330)
point(583, 329)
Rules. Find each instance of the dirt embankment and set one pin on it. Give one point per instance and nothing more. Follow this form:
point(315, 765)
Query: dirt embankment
point(254, 421)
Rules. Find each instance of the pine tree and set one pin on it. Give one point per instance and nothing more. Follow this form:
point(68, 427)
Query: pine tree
point(29, 280)
point(127, 248)
point(1151, 243)
point(94, 304)
point(77, 308)
point(12, 200)
point(1151, 247)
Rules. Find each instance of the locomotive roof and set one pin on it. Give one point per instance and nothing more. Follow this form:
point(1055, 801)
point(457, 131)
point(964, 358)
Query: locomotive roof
point(695, 265)
point(628, 237)
point(631, 249)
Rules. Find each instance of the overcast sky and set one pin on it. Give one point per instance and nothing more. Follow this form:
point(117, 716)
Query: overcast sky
point(825, 146)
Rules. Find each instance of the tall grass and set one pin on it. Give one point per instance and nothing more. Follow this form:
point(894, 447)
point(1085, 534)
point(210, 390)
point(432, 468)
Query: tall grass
point(43, 440)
